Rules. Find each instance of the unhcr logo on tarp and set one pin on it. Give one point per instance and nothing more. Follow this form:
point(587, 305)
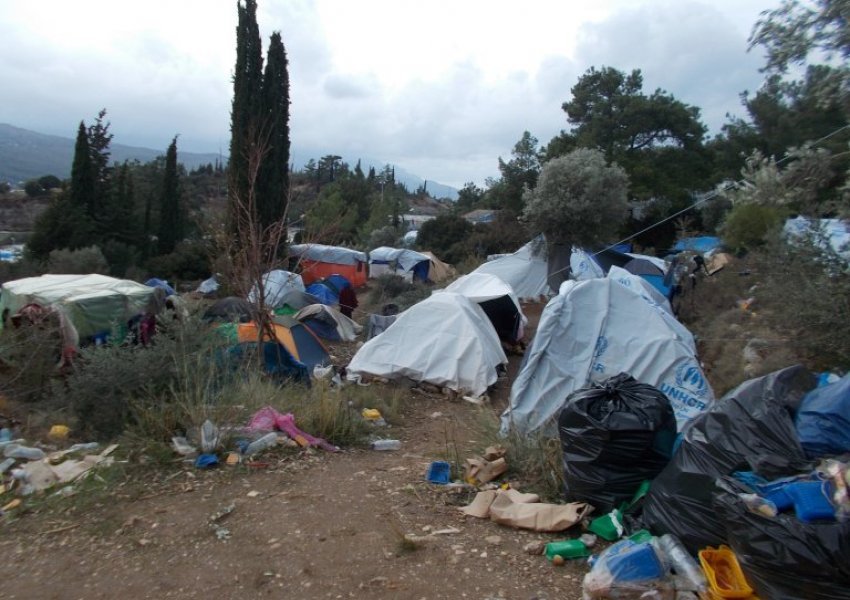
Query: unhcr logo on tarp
point(688, 395)
point(598, 351)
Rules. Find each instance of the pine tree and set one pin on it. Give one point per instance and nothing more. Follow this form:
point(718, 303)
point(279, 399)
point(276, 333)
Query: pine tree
point(82, 172)
point(273, 176)
point(170, 212)
point(247, 92)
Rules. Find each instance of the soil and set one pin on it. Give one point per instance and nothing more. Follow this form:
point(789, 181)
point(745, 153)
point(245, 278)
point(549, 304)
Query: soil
point(309, 525)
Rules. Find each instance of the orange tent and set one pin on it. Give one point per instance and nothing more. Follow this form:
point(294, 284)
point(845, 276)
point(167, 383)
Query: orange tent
point(298, 340)
point(318, 261)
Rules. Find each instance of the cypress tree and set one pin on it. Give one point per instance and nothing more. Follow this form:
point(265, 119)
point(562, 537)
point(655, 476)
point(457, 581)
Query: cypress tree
point(170, 213)
point(273, 177)
point(247, 90)
point(82, 173)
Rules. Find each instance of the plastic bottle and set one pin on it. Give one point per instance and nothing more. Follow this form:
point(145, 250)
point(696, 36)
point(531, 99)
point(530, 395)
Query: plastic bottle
point(84, 447)
point(26, 452)
point(267, 441)
point(567, 549)
point(683, 563)
point(386, 445)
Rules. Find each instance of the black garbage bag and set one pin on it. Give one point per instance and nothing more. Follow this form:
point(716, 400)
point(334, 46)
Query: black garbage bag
point(783, 557)
point(750, 429)
point(614, 435)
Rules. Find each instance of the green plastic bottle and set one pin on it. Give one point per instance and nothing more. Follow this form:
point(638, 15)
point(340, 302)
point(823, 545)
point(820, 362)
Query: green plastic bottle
point(567, 549)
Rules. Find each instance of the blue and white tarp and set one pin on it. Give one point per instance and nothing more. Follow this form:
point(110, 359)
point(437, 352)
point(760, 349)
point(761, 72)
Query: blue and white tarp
point(593, 330)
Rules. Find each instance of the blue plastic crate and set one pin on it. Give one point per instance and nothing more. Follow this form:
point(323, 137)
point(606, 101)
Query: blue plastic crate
point(440, 472)
point(811, 500)
point(636, 562)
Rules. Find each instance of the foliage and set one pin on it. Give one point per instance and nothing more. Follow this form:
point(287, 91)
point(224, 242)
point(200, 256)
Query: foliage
point(469, 197)
point(518, 174)
point(190, 260)
point(713, 211)
point(273, 177)
point(331, 220)
point(807, 294)
point(29, 356)
point(445, 236)
point(77, 262)
point(389, 288)
point(50, 182)
point(384, 236)
point(747, 226)
point(579, 199)
point(34, 189)
point(171, 227)
point(504, 235)
point(657, 139)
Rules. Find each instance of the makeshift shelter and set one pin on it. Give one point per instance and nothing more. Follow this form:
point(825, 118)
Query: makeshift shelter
point(445, 340)
point(407, 264)
point(208, 286)
point(298, 340)
point(525, 270)
point(593, 330)
point(294, 301)
point(231, 308)
point(498, 301)
point(276, 360)
point(318, 261)
point(276, 284)
point(326, 294)
point(439, 271)
point(328, 323)
point(586, 266)
point(87, 305)
point(701, 244)
point(162, 284)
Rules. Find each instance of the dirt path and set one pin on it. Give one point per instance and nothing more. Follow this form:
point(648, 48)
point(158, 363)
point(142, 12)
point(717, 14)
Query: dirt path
point(312, 525)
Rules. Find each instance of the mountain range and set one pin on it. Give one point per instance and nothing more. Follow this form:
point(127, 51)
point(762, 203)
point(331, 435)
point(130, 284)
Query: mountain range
point(26, 154)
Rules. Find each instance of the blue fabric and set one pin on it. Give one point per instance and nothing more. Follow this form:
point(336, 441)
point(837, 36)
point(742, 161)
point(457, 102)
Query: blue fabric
point(338, 281)
point(624, 248)
point(823, 419)
point(701, 244)
point(325, 295)
point(277, 361)
point(205, 461)
point(657, 282)
point(159, 283)
point(420, 270)
point(322, 329)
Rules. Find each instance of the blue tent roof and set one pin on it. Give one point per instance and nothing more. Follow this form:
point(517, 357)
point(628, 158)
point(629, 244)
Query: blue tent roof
point(701, 244)
point(160, 283)
point(324, 293)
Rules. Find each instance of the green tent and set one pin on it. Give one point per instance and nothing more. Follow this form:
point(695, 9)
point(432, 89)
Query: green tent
point(90, 304)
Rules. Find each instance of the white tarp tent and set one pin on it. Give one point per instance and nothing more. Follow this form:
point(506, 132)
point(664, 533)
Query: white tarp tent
point(398, 261)
point(276, 284)
point(446, 340)
point(523, 270)
point(593, 330)
point(328, 254)
point(346, 329)
point(498, 300)
point(583, 267)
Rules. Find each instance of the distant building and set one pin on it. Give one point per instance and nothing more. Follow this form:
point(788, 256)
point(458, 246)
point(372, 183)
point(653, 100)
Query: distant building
point(481, 215)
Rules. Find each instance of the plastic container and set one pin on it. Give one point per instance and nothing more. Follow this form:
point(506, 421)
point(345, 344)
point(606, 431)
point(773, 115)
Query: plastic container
point(88, 447)
point(641, 535)
point(264, 443)
point(24, 452)
point(683, 563)
point(209, 436)
point(723, 573)
point(811, 500)
point(386, 445)
point(567, 549)
point(758, 505)
point(635, 562)
point(439, 472)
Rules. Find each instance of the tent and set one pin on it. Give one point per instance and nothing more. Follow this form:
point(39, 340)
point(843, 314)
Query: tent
point(328, 323)
point(162, 284)
point(498, 301)
point(407, 264)
point(446, 340)
point(439, 271)
point(701, 244)
point(318, 261)
point(87, 304)
point(654, 270)
point(298, 340)
point(208, 286)
point(276, 284)
point(277, 361)
point(325, 294)
point(525, 270)
point(295, 300)
point(231, 308)
point(593, 330)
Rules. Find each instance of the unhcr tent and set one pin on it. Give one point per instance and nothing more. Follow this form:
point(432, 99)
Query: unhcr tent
point(593, 330)
point(446, 340)
point(587, 266)
point(498, 301)
point(276, 284)
point(318, 261)
point(299, 341)
point(439, 271)
point(89, 304)
point(524, 270)
point(328, 323)
point(407, 264)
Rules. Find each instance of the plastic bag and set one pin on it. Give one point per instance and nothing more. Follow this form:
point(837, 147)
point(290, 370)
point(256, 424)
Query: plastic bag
point(823, 421)
point(614, 435)
point(630, 569)
point(750, 428)
point(783, 557)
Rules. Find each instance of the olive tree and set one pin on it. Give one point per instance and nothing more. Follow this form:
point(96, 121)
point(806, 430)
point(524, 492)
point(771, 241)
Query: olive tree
point(579, 199)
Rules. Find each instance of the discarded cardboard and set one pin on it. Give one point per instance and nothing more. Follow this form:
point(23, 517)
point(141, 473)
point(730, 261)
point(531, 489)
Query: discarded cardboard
point(525, 511)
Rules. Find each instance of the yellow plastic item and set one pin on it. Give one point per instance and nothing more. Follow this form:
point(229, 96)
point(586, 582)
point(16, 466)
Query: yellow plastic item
point(372, 414)
point(723, 573)
point(59, 432)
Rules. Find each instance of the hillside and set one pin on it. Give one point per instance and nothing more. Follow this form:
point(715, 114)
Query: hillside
point(26, 154)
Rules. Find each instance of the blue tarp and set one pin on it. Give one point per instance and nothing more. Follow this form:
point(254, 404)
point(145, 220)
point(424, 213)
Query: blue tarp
point(160, 283)
point(701, 244)
point(324, 293)
point(823, 419)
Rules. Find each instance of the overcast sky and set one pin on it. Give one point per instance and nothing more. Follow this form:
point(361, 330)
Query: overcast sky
point(440, 88)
